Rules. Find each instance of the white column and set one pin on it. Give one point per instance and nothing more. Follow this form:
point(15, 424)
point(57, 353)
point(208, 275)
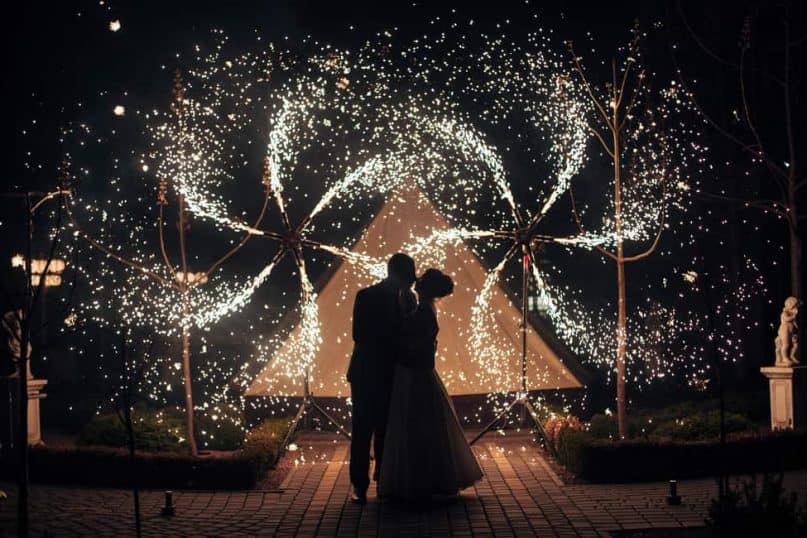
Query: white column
point(788, 390)
point(35, 394)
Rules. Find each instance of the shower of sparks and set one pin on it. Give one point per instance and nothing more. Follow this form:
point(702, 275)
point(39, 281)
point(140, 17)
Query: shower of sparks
point(337, 130)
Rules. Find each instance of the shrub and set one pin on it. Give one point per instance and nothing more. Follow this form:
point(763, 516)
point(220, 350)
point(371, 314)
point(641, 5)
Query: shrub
point(570, 446)
point(100, 466)
point(264, 441)
point(152, 431)
point(699, 426)
point(63, 412)
point(599, 460)
point(556, 423)
point(218, 434)
point(161, 430)
point(104, 466)
point(603, 427)
point(747, 511)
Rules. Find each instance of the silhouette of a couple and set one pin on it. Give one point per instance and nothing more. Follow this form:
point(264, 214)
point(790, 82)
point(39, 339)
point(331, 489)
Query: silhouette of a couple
point(399, 401)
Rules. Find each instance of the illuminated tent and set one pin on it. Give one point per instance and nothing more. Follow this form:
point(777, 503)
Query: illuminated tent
point(406, 215)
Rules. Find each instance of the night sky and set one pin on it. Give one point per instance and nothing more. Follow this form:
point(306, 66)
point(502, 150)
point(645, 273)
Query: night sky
point(65, 54)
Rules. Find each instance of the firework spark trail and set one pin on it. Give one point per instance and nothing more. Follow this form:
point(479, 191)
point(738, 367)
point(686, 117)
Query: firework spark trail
point(368, 175)
point(214, 311)
point(282, 146)
point(571, 168)
point(422, 132)
point(561, 310)
point(372, 266)
point(438, 241)
point(376, 175)
point(488, 353)
point(361, 124)
point(471, 145)
point(303, 347)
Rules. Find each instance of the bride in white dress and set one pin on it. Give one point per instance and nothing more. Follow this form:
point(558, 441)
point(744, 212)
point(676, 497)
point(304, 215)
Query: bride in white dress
point(425, 451)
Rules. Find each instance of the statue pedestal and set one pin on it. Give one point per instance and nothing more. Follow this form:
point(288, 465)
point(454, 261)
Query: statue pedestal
point(35, 394)
point(788, 388)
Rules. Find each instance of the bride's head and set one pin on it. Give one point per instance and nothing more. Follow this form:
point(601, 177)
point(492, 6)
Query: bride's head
point(434, 284)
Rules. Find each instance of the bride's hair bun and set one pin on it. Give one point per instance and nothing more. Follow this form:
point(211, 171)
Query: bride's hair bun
point(435, 283)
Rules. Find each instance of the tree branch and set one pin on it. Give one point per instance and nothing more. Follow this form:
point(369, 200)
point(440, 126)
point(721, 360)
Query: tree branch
point(166, 259)
point(243, 241)
point(587, 85)
point(653, 246)
point(709, 52)
point(775, 206)
point(746, 108)
point(582, 231)
point(129, 263)
point(618, 100)
point(51, 252)
point(717, 127)
point(791, 145)
point(631, 103)
point(602, 141)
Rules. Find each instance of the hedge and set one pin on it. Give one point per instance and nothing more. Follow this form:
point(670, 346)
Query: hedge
point(161, 430)
point(605, 461)
point(102, 466)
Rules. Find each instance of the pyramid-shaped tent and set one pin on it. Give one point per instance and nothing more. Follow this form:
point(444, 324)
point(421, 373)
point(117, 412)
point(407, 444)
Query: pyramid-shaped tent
point(406, 215)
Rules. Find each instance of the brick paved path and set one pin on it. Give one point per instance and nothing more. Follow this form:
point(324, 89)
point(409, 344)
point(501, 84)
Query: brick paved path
point(520, 496)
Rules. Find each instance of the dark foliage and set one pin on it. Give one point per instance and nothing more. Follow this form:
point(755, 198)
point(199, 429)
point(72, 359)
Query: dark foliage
point(103, 466)
point(699, 426)
point(747, 510)
point(603, 427)
point(644, 460)
point(161, 431)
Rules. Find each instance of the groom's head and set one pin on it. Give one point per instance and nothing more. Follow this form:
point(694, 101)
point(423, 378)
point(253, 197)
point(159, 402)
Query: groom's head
point(401, 268)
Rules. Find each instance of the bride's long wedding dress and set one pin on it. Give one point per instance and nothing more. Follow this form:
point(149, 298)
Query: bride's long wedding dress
point(425, 450)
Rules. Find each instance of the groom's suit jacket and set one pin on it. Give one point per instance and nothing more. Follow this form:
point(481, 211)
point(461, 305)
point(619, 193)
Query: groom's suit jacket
point(377, 326)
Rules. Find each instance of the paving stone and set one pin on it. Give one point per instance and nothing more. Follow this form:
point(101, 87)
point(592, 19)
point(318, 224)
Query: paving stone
point(520, 496)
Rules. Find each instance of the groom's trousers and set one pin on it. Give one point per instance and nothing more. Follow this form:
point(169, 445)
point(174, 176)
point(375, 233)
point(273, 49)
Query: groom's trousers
point(370, 410)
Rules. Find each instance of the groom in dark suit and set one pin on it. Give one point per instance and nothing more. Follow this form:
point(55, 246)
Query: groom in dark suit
point(378, 314)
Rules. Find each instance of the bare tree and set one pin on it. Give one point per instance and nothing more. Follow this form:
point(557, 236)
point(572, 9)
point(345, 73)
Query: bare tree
point(132, 372)
point(20, 328)
point(768, 139)
point(643, 178)
point(177, 277)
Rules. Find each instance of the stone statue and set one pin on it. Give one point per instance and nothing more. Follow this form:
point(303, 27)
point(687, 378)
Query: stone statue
point(13, 329)
point(787, 338)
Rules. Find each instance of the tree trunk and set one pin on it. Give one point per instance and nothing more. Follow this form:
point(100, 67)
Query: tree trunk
point(795, 263)
point(130, 437)
point(22, 427)
point(795, 277)
point(621, 348)
point(186, 372)
point(621, 322)
point(186, 331)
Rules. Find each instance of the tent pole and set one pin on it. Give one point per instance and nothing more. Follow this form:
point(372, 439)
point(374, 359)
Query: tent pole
point(303, 416)
point(522, 401)
point(525, 265)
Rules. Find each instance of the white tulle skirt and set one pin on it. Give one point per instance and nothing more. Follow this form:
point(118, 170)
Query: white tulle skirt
point(425, 451)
